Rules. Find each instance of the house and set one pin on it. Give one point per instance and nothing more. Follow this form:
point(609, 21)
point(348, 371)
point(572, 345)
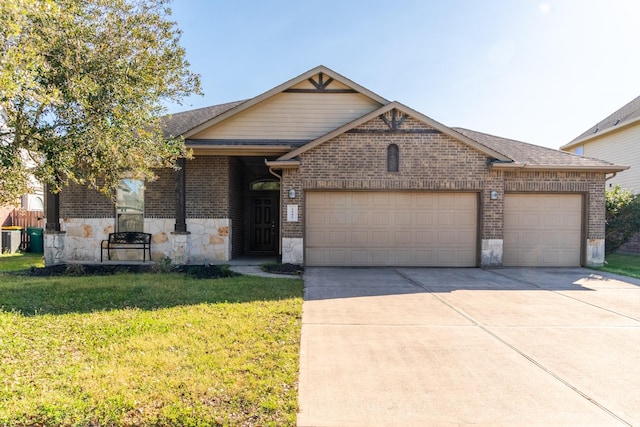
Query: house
point(616, 138)
point(327, 173)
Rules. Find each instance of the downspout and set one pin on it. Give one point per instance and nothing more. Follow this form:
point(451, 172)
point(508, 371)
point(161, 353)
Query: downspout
point(607, 178)
point(280, 210)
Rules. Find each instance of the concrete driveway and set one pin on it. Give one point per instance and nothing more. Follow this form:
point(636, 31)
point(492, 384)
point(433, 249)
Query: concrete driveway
point(417, 346)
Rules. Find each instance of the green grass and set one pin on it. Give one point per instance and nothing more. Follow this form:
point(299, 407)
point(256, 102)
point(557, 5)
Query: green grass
point(20, 261)
point(148, 349)
point(625, 264)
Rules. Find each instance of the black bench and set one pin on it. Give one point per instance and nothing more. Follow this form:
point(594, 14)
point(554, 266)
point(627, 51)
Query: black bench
point(127, 240)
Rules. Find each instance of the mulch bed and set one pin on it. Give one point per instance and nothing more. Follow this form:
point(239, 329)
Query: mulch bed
point(292, 269)
point(196, 271)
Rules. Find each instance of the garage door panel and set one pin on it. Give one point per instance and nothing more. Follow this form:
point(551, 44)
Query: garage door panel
point(542, 230)
point(424, 237)
point(403, 228)
point(424, 218)
point(380, 218)
point(402, 218)
point(403, 238)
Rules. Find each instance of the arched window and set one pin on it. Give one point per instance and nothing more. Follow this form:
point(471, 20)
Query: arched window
point(265, 185)
point(393, 158)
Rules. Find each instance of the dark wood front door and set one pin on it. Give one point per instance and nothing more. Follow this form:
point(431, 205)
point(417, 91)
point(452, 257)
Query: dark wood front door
point(264, 223)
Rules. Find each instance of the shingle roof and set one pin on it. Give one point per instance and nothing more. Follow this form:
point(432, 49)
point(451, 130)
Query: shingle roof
point(627, 113)
point(522, 153)
point(530, 155)
point(179, 123)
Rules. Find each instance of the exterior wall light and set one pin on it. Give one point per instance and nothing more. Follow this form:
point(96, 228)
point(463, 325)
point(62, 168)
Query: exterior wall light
point(292, 193)
point(494, 195)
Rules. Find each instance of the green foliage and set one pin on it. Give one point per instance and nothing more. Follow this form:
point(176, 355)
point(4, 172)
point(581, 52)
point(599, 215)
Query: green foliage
point(149, 349)
point(622, 216)
point(83, 84)
point(625, 264)
point(163, 266)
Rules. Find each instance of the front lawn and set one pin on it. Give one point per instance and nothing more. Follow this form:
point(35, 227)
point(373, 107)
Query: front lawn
point(625, 264)
point(148, 349)
point(20, 261)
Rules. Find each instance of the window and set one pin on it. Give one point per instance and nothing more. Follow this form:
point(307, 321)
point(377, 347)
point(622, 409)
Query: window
point(265, 185)
point(130, 205)
point(579, 150)
point(393, 158)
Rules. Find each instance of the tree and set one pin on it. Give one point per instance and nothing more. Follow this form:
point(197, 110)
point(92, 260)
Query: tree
point(622, 216)
point(83, 84)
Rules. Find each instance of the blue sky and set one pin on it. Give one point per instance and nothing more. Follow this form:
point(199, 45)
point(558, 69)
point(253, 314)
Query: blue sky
point(537, 71)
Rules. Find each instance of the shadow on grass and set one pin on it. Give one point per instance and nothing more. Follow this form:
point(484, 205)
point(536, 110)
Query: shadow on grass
point(56, 295)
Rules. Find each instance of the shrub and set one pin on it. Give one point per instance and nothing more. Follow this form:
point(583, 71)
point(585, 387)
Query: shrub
point(622, 217)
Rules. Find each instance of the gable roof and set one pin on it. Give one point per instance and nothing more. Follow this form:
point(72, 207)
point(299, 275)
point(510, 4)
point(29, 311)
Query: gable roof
point(180, 123)
point(627, 115)
point(281, 88)
point(382, 110)
point(529, 156)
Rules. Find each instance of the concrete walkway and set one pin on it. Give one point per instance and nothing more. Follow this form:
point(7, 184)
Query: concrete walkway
point(425, 347)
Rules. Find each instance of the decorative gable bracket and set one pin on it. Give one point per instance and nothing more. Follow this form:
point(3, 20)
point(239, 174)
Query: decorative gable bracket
point(321, 86)
point(393, 121)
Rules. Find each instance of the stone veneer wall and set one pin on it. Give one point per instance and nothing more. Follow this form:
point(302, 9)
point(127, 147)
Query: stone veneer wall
point(87, 216)
point(431, 162)
point(208, 240)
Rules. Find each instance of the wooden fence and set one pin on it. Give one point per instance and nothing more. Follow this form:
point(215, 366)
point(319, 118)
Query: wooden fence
point(24, 219)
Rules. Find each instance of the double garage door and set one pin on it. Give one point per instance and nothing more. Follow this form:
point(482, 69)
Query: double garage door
point(391, 228)
point(437, 229)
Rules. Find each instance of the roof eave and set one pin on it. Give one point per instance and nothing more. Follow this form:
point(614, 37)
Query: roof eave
point(597, 135)
point(243, 150)
point(283, 164)
point(575, 168)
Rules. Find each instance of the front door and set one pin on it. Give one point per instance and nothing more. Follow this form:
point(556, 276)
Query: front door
point(264, 223)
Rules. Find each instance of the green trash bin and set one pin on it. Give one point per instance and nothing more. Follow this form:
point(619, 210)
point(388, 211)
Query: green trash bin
point(36, 243)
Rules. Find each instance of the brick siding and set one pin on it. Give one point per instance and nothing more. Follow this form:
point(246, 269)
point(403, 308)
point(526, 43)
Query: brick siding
point(430, 162)
point(77, 201)
point(208, 187)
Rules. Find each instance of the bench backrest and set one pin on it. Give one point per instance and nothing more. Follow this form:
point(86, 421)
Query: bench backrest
point(130, 237)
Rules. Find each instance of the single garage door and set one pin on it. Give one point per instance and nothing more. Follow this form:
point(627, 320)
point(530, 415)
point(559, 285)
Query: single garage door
point(542, 230)
point(391, 228)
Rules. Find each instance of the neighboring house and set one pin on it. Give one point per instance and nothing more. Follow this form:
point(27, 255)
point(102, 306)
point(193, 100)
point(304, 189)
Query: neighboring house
point(616, 138)
point(32, 201)
point(328, 173)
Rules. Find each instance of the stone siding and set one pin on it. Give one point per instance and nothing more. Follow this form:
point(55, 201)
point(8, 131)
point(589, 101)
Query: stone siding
point(209, 240)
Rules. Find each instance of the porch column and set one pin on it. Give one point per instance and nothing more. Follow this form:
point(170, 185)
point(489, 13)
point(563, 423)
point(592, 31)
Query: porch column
point(181, 197)
point(53, 211)
point(54, 239)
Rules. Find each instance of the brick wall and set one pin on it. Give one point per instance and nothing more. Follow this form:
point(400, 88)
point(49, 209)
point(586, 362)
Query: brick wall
point(208, 187)
point(358, 161)
point(77, 201)
point(430, 162)
point(591, 184)
point(160, 195)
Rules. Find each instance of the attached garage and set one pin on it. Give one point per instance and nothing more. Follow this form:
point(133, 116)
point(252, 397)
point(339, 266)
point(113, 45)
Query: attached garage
point(542, 230)
point(360, 228)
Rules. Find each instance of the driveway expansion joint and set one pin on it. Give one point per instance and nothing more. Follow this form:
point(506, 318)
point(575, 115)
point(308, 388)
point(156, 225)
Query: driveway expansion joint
point(497, 337)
